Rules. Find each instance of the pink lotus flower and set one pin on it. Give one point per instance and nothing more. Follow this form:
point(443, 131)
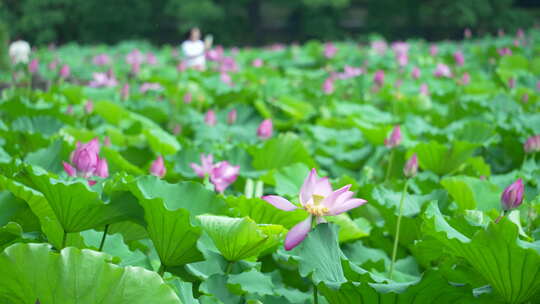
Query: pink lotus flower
point(215, 54)
point(433, 50)
point(415, 73)
point(210, 118)
point(89, 106)
point(459, 58)
point(102, 80)
point(329, 50)
point(135, 57)
point(135, 68)
point(319, 200)
point(265, 129)
point(223, 175)
point(226, 79)
point(65, 71)
point(158, 167)
point(442, 70)
point(328, 86)
point(411, 166)
point(86, 161)
point(69, 110)
point(181, 66)
point(379, 46)
point(512, 196)
point(228, 64)
point(467, 33)
point(231, 116)
point(465, 79)
point(150, 86)
point(525, 97)
point(504, 51)
point(257, 63)
point(188, 97)
point(350, 72)
point(151, 58)
point(378, 78)
point(107, 141)
point(101, 59)
point(177, 129)
point(424, 89)
point(124, 93)
point(402, 59)
point(400, 47)
point(532, 145)
point(53, 64)
point(207, 164)
point(33, 66)
point(395, 138)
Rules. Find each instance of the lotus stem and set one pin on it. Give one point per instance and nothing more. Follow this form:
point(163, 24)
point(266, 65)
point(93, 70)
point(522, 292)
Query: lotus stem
point(315, 294)
point(64, 239)
point(229, 267)
point(398, 224)
point(103, 237)
point(161, 270)
point(389, 169)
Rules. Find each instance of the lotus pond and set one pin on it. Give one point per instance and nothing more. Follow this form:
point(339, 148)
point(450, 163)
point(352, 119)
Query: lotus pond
point(403, 172)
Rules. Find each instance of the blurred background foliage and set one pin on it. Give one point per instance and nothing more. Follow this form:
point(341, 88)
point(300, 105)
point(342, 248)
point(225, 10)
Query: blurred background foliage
point(255, 22)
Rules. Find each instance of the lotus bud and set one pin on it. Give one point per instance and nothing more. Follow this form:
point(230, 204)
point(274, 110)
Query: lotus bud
point(65, 71)
point(532, 145)
point(158, 167)
point(395, 138)
point(411, 167)
point(231, 116)
point(210, 118)
point(265, 129)
point(512, 196)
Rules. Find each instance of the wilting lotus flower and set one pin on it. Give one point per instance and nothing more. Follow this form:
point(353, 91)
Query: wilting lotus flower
point(520, 33)
point(532, 145)
point(512, 196)
point(318, 199)
point(379, 46)
point(512, 83)
point(188, 97)
point(223, 174)
point(33, 66)
point(158, 167)
point(177, 129)
point(124, 93)
point(504, 51)
point(257, 62)
point(207, 164)
point(442, 70)
point(231, 116)
point(101, 59)
point(467, 33)
point(395, 138)
point(65, 71)
point(378, 78)
point(89, 106)
point(210, 118)
point(411, 166)
point(433, 50)
point(328, 86)
point(465, 79)
point(459, 58)
point(329, 50)
point(150, 86)
point(424, 89)
point(415, 73)
point(265, 129)
point(19, 51)
point(102, 80)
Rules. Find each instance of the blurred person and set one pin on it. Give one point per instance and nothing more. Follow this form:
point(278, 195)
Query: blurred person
point(194, 49)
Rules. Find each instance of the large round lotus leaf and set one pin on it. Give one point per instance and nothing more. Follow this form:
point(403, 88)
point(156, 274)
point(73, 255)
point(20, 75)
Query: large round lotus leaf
point(34, 271)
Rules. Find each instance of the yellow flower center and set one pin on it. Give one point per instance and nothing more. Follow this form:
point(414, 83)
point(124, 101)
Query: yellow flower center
point(316, 208)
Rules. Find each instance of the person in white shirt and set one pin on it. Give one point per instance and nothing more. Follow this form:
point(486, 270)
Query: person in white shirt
point(194, 49)
point(19, 52)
